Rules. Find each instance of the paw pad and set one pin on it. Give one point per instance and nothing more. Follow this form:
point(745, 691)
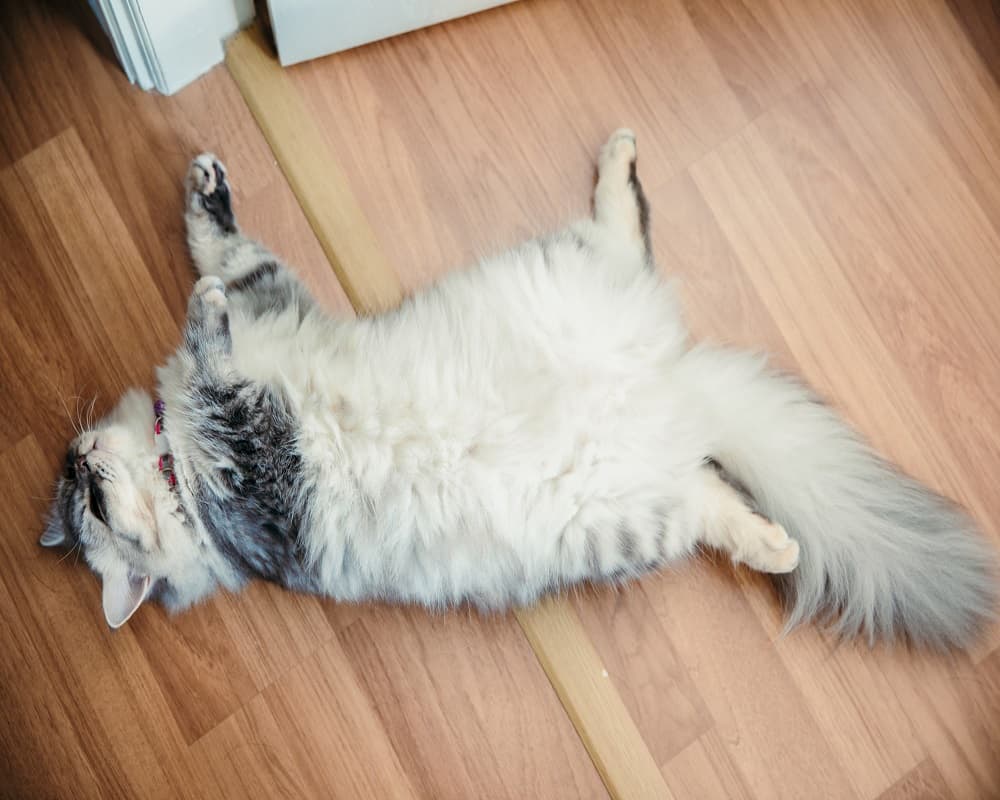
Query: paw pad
point(205, 174)
point(620, 148)
point(209, 192)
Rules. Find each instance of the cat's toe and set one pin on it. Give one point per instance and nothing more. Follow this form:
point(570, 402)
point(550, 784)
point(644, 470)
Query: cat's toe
point(775, 537)
point(619, 150)
point(202, 177)
point(787, 558)
point(211, 291)
point(781, 553)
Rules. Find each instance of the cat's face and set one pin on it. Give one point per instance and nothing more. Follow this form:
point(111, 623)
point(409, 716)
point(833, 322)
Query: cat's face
point(108, 502)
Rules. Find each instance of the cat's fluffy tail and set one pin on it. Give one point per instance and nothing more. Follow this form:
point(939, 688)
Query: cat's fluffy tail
point(881, 555)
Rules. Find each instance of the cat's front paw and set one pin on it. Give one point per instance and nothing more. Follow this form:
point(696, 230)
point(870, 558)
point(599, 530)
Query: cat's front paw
point(209, 192)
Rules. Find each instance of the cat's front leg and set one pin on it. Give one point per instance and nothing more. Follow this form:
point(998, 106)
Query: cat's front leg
point(217, 245)
point(206, 335)
point(211, 223)
point(255, 278)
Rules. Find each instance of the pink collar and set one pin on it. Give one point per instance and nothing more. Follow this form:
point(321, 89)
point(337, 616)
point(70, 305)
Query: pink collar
point(166, 459)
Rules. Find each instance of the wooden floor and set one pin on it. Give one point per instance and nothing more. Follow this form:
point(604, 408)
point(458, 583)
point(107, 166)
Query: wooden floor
point(825, 183)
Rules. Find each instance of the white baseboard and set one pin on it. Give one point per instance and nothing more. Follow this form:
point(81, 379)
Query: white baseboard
point(305, 29)
point(166, 44)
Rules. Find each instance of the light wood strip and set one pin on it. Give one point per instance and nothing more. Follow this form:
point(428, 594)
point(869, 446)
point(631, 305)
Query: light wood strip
point(314, 176)
point(553, 628)
point(585, 688)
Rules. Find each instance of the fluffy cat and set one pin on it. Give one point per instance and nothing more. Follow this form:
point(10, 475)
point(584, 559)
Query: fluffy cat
point(534, 421)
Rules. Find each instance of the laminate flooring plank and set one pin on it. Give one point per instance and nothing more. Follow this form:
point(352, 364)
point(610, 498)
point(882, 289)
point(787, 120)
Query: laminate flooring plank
point(483, 131)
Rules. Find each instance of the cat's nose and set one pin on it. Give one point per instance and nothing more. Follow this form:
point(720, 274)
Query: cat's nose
point(81, 464)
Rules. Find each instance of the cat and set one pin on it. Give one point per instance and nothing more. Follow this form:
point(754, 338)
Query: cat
point(537, 420)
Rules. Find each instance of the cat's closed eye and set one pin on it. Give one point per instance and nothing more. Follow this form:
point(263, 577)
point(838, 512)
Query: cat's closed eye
point(69, 468)
point(97, 503)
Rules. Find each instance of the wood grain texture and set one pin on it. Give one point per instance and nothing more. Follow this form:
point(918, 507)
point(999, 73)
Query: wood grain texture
point(443, 115)
point(58, 70)
point(704, 770)
point(658, 691)
point(312, 733)
point(462, 658)
point(463, 701)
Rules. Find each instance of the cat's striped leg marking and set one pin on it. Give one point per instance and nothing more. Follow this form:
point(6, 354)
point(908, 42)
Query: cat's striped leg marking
point(619, 202)
point(729, 524)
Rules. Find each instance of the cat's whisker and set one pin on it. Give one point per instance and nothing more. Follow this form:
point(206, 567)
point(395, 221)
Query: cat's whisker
point(90, 412)
point(70, 416)
point(79, 412)
point(75, 419)
point(74, 549)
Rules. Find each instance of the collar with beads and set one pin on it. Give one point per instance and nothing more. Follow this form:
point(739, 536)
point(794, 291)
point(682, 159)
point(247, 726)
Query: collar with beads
point(165, 461)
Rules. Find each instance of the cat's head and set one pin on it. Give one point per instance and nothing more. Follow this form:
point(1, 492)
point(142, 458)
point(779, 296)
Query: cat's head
point(115, 503)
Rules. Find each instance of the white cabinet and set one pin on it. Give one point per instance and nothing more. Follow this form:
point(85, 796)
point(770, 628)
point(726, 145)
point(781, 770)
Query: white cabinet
point(305, 29)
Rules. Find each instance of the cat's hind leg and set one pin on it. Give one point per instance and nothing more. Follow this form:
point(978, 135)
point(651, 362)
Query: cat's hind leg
point(619, 202)
point(728, 523)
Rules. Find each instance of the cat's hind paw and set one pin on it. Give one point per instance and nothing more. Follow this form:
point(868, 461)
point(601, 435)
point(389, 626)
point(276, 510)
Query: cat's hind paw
point(619, 202)
point(209, 192)
point(774, 551)
point(617, 155)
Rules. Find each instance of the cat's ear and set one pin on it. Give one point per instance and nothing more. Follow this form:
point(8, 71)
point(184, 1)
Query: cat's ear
point(122, 593)
point(55, 533)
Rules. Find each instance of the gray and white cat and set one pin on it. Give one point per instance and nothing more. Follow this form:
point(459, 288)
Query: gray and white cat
point(537, 420)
